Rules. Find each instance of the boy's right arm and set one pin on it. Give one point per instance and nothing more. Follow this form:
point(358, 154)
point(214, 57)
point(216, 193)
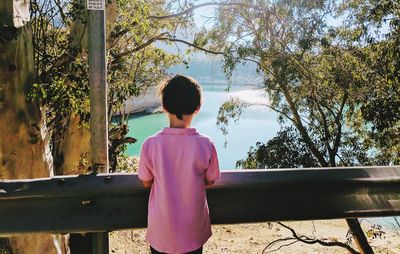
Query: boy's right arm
point(212, 173)
point(208, 183)
point(147, 184)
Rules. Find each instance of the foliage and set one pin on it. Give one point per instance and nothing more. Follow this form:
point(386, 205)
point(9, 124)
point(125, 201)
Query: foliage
point(375, 231)
point(134, 63)
point(127, 164)
point(326, 81)
point(285, 150)
point(379, 23)
point(340, 93)
point(61, 75)
point(230, 109)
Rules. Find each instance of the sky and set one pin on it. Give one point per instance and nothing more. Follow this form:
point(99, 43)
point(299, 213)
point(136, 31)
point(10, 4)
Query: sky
point(200, 18)
point(201, 14)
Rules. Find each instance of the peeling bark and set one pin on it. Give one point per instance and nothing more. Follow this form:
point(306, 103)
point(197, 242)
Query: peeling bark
point(71, 151)
point(71, 145)
point(24, 151)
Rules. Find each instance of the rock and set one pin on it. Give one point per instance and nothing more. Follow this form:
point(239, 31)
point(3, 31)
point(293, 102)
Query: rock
point(146, 103)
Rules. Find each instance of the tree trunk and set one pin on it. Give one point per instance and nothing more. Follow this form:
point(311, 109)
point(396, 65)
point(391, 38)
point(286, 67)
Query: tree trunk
point(71, 144)
point(24, 151)
point(353, 224)
point(71, 150)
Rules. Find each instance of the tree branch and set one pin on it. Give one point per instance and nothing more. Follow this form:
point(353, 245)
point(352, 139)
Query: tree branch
point(301, 128)
point(339, 124)
point(272, 108)
point(191, 9)
point(140, 47)
point(190, 45)
point(61, 12)
point(307, 240)
point(327, 135)
point(292, 239)
point(161, 37)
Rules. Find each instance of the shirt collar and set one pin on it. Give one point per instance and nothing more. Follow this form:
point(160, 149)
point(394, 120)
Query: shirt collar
point(179, 131)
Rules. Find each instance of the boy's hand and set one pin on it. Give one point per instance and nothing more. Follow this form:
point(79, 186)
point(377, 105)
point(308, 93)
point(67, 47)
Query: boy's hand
point(208, 183)
point(147, 184)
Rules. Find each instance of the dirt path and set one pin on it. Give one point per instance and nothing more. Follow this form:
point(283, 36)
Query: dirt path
point(253, 238)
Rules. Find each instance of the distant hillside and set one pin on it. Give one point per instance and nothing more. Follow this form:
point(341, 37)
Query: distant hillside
point(207, 68)
point(210, 71)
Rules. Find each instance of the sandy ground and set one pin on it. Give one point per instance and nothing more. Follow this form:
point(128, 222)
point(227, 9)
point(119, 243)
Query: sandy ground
point(253, 238)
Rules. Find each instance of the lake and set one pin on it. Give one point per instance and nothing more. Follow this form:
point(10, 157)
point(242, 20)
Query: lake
point(257, 123)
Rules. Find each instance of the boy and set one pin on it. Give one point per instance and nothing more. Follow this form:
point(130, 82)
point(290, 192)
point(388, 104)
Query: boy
point(177, 164)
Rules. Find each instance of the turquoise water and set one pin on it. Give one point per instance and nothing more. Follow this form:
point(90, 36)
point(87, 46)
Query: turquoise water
point(257, 123)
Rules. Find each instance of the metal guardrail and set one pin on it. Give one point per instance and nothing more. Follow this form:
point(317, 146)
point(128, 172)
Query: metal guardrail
point(108, 202)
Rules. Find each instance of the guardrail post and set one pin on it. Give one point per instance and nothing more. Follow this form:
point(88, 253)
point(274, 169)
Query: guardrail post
point(100, 243)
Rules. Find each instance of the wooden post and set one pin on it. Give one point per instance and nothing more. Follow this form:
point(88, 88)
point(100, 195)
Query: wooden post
point(98, 102)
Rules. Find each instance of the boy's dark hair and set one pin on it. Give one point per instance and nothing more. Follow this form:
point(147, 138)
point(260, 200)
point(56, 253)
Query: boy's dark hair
point(180, 95)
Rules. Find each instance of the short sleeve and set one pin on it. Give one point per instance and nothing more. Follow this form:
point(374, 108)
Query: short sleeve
point(145, 171)
point(212, 172)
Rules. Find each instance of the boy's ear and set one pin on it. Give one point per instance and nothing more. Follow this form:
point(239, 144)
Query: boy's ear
point(197, 109)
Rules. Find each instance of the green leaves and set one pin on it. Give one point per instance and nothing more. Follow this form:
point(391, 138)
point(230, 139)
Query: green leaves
point(285, 150)
point(231, 109)
point(338, 85)
point(134, 62)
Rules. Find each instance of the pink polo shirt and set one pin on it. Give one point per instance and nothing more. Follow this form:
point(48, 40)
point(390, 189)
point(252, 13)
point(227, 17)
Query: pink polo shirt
point(178, 160)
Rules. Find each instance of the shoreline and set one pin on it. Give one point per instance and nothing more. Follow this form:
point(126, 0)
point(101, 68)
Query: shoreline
point(150, 103)
point(146, 103)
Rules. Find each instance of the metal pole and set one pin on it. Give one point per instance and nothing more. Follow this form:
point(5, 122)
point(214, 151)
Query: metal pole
point(98, 91)
point(98, 102)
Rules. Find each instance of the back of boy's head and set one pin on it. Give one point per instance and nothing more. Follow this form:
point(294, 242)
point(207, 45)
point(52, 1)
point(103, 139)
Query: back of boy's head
point(180, 95)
